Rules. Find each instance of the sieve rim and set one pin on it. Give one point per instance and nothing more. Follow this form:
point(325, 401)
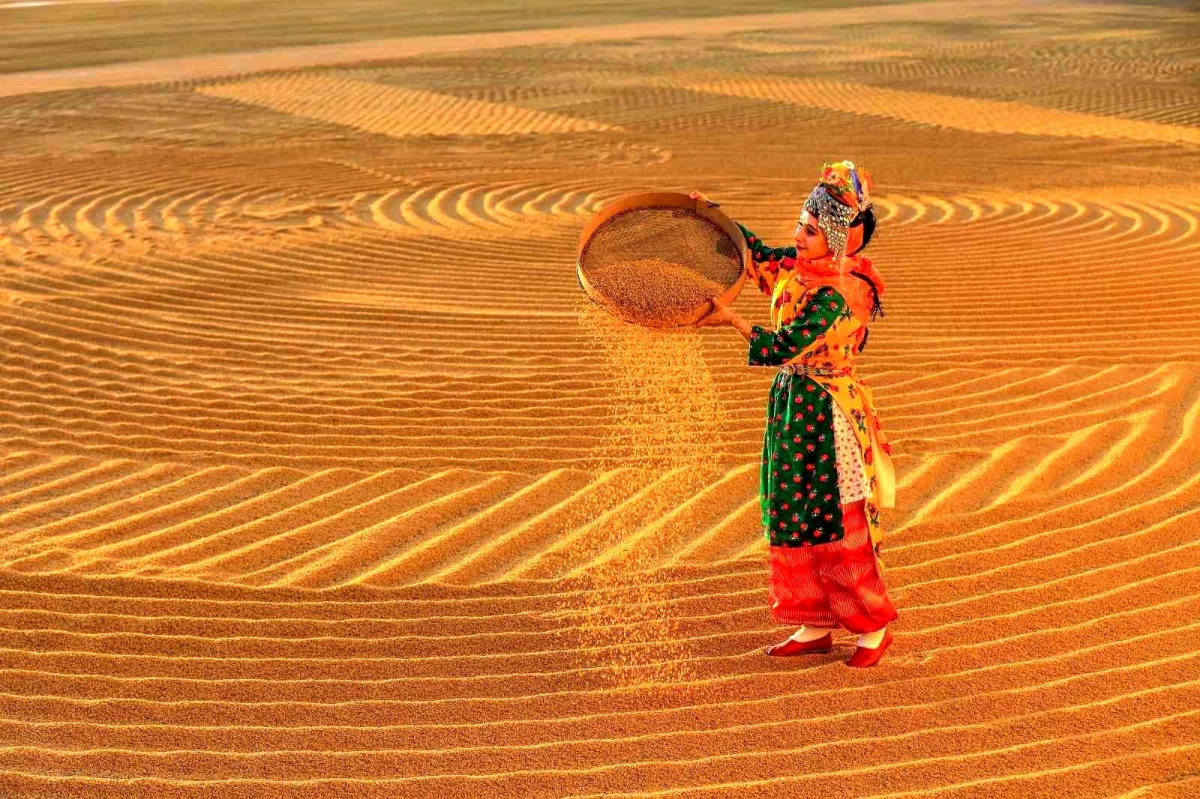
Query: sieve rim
point(640, 200)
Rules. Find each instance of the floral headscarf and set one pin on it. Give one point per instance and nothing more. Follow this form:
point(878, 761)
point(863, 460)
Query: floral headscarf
point(843, 193)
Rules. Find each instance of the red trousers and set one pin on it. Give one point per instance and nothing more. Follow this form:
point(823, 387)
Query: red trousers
point(833, 584)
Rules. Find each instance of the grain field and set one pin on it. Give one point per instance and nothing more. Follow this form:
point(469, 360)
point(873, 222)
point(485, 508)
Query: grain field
point(318, 478)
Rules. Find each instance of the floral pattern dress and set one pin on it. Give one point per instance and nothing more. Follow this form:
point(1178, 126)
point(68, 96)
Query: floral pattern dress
point(814, 340)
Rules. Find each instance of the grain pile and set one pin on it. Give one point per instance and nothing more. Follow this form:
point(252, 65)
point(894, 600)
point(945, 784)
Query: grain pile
point(366, 509)
point(652, 292)
point(656, 266)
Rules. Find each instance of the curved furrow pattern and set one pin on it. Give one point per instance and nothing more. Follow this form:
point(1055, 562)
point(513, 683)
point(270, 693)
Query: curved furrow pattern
point(320, 477)
point(518, 209)
point(390, 110)
point(1022, 471)
point(981, 116)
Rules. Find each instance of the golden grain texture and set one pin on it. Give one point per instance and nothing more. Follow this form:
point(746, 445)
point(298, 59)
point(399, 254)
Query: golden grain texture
point(652, 292)
point(319, 478)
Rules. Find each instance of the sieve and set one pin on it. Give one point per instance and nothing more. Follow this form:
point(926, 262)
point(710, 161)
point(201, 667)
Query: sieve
point(657, 259)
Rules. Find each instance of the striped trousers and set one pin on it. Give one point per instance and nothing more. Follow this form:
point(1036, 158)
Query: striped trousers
point(836, 584)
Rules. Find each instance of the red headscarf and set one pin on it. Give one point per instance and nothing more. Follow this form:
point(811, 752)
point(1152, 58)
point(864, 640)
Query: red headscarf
point(860, 283)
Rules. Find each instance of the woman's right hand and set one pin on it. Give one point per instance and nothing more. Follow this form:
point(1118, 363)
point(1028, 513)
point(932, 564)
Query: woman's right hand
point(719, 314)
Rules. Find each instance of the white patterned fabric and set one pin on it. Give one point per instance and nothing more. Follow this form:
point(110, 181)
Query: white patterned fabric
point(851, 471)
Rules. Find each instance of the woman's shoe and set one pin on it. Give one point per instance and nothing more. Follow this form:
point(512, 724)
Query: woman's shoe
point(817, 646)
point(864, 657)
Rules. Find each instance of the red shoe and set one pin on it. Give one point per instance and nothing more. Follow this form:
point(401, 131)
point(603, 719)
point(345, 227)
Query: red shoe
point(817, 646)
point(864, 657)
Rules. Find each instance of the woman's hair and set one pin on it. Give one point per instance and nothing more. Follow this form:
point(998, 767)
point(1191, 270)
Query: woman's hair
point(867, 220)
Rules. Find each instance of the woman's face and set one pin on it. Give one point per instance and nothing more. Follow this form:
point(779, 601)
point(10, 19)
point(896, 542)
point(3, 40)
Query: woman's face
point(810, 241)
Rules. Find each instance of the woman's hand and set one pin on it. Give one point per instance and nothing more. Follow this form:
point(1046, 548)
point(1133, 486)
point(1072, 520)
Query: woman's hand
point(695, 195)
point(721, 314)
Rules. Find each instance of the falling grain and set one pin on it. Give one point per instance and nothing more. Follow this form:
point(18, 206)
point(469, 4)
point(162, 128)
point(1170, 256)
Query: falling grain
point(668, 427)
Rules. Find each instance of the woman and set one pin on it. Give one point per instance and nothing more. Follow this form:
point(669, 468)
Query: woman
point(826, 466)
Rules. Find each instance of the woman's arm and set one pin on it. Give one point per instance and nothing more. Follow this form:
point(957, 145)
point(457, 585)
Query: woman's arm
point(777, 347)
point(743, 327)
point(765, 262)
point(722, 314)
point(773, 348)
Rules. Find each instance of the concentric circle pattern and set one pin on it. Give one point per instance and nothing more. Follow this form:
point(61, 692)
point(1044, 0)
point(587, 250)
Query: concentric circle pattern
point(317, 480)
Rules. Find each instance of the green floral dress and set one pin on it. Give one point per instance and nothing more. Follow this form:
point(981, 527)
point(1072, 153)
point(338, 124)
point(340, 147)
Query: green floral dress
point(815, 338)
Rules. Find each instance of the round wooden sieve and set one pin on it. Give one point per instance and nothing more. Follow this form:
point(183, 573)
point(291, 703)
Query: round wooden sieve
point(658, 258)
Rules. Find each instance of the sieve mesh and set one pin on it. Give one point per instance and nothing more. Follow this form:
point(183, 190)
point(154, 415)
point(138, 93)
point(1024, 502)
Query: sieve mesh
point(658, 265)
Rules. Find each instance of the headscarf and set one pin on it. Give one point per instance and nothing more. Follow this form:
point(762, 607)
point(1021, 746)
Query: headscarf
point(841, 196)
point(860, 284)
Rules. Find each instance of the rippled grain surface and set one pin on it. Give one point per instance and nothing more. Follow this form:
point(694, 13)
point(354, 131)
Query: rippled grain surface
point(314, 473)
